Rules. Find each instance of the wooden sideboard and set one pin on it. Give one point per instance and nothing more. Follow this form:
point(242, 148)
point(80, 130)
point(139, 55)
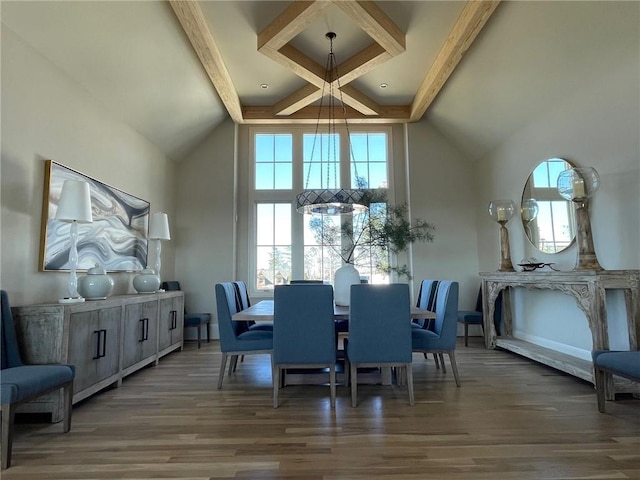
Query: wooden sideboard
point(587, 288)
point(106, 340)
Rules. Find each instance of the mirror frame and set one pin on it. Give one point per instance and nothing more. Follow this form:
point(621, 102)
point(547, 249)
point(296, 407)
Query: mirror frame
point(551, 206)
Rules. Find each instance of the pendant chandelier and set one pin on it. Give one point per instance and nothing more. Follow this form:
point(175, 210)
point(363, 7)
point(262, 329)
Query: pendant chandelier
point(330, 201)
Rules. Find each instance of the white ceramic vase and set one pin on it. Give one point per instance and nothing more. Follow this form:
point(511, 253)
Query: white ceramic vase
point(345, 276)
point(96, 284)
point(146, 281)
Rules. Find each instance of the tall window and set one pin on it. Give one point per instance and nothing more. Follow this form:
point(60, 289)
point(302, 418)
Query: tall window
point(287, 245)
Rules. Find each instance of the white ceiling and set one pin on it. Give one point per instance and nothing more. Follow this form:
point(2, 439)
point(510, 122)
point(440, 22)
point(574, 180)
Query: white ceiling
point(135, 59)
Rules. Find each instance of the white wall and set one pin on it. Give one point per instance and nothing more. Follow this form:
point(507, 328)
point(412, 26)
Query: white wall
point(597, 126)
point(47, 116)
point(205, 220)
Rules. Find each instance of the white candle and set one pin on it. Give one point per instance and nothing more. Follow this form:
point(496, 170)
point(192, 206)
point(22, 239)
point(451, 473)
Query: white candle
point(502, 214)
point(578, 188)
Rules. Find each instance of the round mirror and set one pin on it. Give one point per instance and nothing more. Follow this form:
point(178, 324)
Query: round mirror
point(549, 220)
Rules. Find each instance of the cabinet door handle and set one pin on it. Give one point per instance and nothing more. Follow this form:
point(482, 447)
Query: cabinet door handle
point(97, 355)
point(141, 339)
point(174, 320)
point(104, 343)
point(146, 329)
point(101, 344)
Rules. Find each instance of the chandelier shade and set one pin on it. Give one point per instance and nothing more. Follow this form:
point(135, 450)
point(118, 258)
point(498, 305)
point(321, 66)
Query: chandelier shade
point(330, 200)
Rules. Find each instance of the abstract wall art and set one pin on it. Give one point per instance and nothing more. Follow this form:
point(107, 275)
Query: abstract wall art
point(116, 240)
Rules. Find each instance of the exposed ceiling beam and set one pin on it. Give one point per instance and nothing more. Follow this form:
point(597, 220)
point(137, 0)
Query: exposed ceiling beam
point(195, 26)
point(309, 115)
point(370, 18)
point(472, 19)
point(273, 42)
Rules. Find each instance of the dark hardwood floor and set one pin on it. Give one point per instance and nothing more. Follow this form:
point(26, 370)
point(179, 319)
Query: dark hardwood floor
point(510, 419)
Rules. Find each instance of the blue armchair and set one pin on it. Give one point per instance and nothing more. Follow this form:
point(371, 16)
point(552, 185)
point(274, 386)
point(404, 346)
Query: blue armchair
point(625, 364)
point(235, 337)
point(379, 332)
point(21, 383)
point(475, 317)
point(303, 332)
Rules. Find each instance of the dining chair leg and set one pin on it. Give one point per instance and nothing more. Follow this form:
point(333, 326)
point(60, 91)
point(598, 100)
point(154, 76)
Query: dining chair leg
point(233, 364)
point(223, 366)
point(441, 357)
point(8, 418)
point(435, 359)
point(454, 366)
point(199, 327)
point(466, 334)
point(206, 326)
point(409, 374)
point(276, 385)
point(332, 384)
point(354, 385)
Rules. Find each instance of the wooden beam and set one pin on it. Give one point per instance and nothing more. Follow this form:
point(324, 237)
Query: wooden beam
point(309, 115)
point(293, 20)
point(470, 22)
point(195, 26)
point(297, 100)
point(370, 18)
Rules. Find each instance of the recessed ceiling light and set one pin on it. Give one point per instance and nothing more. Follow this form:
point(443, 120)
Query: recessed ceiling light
point(264, 85)
point(384, 85)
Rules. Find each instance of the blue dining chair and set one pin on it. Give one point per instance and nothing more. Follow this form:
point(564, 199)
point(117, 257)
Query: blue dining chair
point(22, 382)
point(443, 337)
point(235, 337)
point(195, 320)
point(379, 332)
point(426, 300)
point(475, 317)
point(303, 332)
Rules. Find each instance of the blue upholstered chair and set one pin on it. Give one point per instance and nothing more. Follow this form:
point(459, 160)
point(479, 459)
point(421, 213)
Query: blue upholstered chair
point(196, 320)
point(427, 301)
point(303, 332)
point(379, 332)
point(235, 337)
point(475, 317)
point(443, 337)
point(21, 383)
point(624, 364)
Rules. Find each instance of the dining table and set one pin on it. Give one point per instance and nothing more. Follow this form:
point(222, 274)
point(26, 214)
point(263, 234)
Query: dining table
point(262, 311)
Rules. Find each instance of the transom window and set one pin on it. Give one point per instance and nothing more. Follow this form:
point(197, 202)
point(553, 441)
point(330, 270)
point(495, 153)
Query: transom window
point(288, 245)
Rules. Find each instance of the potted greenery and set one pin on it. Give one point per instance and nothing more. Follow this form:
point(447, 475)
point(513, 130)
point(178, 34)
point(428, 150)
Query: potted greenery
point(373, 235)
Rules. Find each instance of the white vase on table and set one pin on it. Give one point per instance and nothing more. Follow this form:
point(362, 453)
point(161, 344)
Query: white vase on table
point(345, 276)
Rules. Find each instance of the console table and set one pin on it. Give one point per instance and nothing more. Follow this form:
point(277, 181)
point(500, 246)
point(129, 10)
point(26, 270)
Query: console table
point(588, 288)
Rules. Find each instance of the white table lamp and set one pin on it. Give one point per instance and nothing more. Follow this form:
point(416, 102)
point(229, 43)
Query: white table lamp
point(159, 231)
point(74, 207)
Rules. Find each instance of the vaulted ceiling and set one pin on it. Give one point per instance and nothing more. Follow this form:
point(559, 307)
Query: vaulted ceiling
point(477, 70)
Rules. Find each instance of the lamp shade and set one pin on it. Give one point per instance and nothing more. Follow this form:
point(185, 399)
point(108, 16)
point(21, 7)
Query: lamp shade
point(75, 202)
point(159, 227)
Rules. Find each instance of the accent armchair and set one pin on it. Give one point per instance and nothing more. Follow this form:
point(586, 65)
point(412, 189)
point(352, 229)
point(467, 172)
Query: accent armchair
point(21, 383)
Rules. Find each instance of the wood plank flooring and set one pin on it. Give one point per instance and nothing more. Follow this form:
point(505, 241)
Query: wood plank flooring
point(510, 419)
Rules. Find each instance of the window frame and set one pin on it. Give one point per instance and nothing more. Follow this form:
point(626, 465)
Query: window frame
point(254, 196)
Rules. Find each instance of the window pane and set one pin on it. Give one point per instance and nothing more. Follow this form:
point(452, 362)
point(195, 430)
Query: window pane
point(273, 244)
point(274, 157)
point(283, 148)
point(369, 162)
point(264, 148)
point(264, 176)
point(321, 164)
point(283, 176)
